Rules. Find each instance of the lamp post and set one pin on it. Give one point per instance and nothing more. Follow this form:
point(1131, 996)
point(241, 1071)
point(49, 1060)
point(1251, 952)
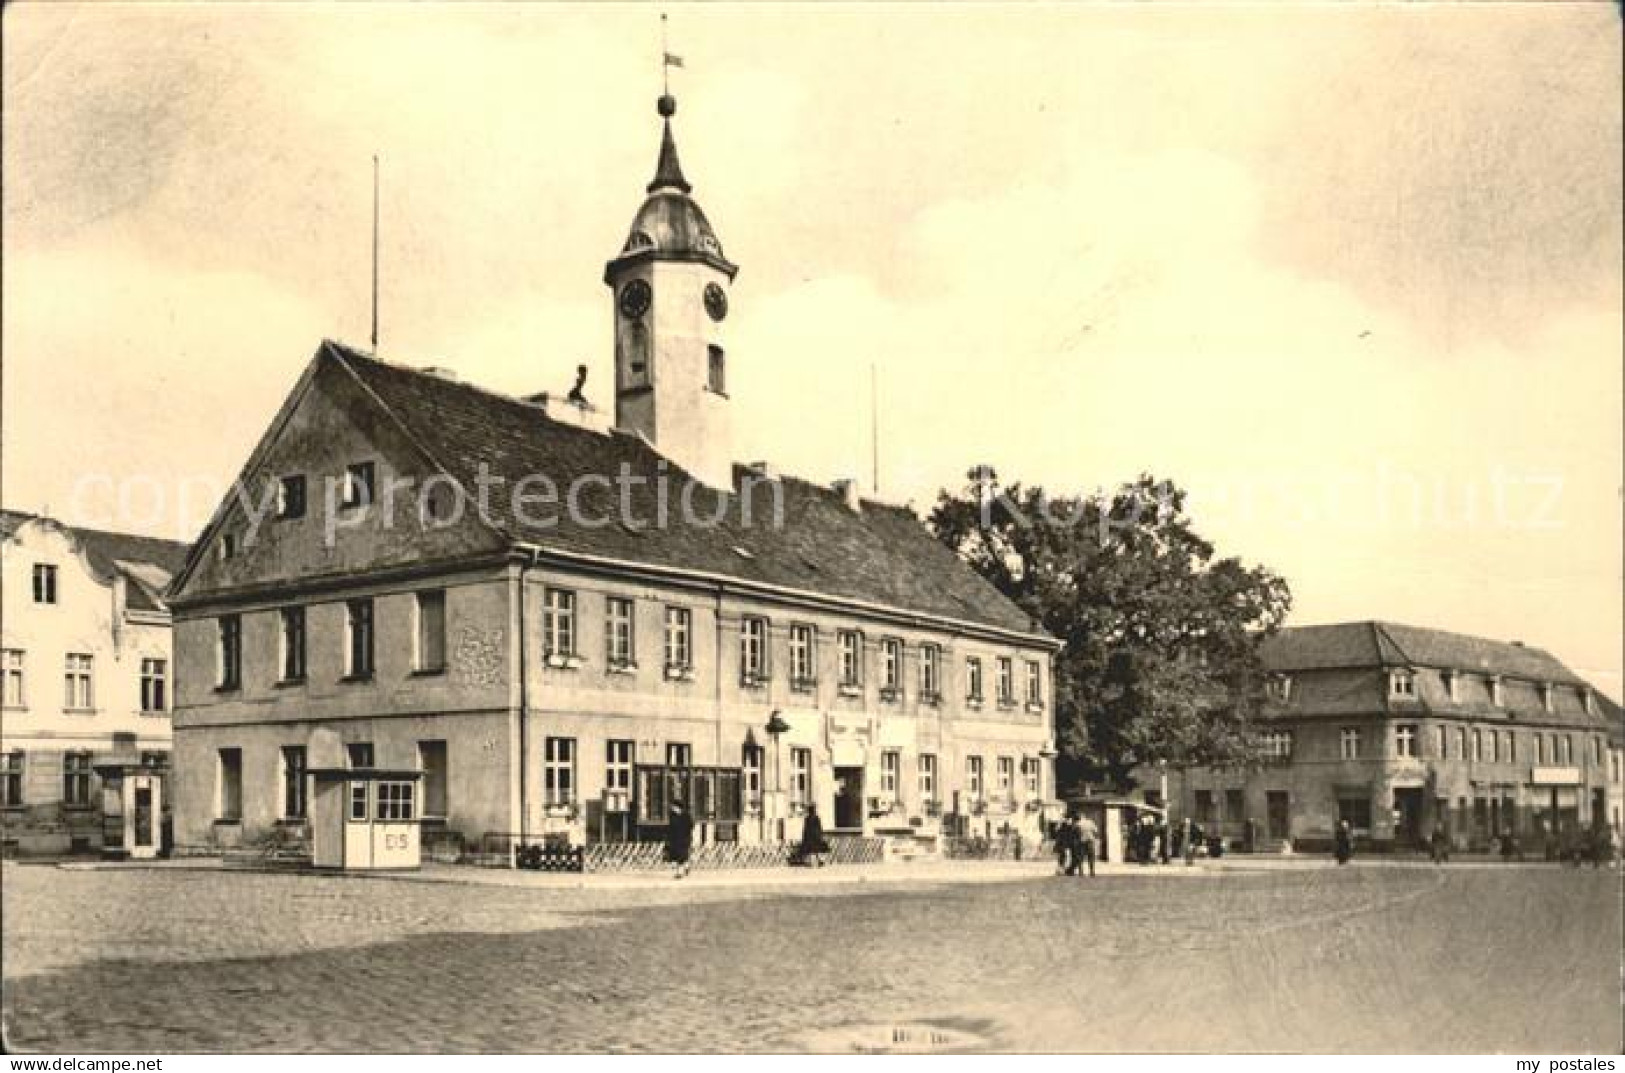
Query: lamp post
point(776, 726)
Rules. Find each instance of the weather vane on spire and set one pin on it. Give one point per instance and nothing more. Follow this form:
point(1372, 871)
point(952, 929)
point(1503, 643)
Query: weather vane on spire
point(668, 60)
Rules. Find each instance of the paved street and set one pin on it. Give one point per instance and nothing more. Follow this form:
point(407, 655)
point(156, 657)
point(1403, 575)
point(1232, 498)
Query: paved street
point(1372, 957)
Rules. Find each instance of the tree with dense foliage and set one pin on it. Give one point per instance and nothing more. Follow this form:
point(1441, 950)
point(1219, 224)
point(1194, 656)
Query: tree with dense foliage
point(1160, 663)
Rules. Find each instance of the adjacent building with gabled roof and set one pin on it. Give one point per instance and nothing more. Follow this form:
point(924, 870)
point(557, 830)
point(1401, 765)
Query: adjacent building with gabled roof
point(567, 622)
point(1402, 730)
point(87, 676)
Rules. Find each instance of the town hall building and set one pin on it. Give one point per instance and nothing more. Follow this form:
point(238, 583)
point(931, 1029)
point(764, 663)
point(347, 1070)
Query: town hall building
point(553, 626)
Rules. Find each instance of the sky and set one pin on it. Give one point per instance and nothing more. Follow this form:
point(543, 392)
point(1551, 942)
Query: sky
point(1349, 275)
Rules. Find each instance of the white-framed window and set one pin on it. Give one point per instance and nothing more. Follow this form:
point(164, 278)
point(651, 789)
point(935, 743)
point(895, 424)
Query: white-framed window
point(1441, 743)
point(1494, 750)
point(619, 631)
point(558, 622)
point(358, 801)
point(11, 778)
point(292, 622)
point(359, 754)
point(750, 774)
point(802, 655)
point(293, 782)
point(891, 666)
point(752, 649)
point(928, 778)
point(1405, 740)
point(679, 638)
point(290, 497)
point(1005, 769)
point(1007, 680)
point(930, 673)
point(1512, 747)
point(11, 666)
point(358, 646)
point(1029, 775)
point(1546, 691)
point(396, 801)
point(1566, 745)
point(1276, 744)
point(359, 484)
point(1280, 687)
point(851, 645)
point(1401, 684)
point(1478, 746)
point(1452, 686)
point(1540, 748)
point(44, 583)
point(1495, 692)
point(973, 777)
point(973, 679)
point(1461, 742)
point(154, 685)
point(1596, 751)
point(559, 771)
point(800, 775)
point(76, 772)
point(435, 763)
point(891, 768)
point(78, 669)
point(229, 784)
point(679, 755)
point(430, 657)
point(619, 756)
point(1035, 683)
point(1349, 743)
point(229, 652)
point(228, 546)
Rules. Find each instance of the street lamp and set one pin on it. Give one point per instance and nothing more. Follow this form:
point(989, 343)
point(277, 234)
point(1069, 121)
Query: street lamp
point(776, 726)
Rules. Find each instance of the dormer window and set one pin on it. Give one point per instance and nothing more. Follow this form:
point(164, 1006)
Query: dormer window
point(1401, 684)
point(1452, 686)
point(1495, 692)
point(1588, 701)
point(1546, 696)
point(1280, 687)
point(358, 485)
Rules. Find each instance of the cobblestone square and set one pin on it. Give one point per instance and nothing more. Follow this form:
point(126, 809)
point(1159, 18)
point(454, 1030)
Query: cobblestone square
point(1380, 957)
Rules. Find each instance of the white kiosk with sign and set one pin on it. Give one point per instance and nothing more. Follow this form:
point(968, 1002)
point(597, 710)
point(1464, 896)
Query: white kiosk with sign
point(364, 819)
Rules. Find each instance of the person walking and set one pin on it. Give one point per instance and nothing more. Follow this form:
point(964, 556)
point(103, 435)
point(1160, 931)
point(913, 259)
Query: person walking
point(1085, 838)
point(679, 838)
point(812, 847)
point(1439, 845)
point(1065, 845)
point(1343, 843)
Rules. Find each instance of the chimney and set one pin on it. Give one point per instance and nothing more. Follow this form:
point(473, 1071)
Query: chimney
point(765, 469)
point(441, 372)
point(568, 411)
point(847, 489)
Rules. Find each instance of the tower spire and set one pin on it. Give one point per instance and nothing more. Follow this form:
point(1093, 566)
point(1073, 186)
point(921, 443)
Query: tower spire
point(668, 171)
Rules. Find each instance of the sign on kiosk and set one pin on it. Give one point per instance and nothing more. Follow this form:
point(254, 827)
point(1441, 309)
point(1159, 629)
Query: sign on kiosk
point(365, 818)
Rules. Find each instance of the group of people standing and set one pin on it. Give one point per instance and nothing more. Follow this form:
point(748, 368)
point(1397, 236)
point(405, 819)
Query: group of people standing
point(1077, 840)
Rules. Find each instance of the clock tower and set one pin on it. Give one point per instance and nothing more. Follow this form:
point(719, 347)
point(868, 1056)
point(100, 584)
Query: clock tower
point(670, 288)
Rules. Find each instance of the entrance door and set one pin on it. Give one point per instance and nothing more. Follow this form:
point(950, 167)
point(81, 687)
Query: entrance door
point(849, 797)
point(1408, 817)
point(1277, 813)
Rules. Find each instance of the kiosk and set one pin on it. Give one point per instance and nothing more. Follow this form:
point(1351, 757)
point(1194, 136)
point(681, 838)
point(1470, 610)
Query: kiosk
point(364, 819)
point(132, 810)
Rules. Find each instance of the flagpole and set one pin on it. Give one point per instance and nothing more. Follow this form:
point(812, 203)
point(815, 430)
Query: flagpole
point(665, 59)
point(375, 253)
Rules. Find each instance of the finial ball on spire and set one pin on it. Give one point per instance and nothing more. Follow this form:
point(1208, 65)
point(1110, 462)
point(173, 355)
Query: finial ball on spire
point(667, 105)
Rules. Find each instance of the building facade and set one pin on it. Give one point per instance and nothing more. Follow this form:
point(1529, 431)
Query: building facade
point(88, 676)
point(1400, 731)
point(566, 625)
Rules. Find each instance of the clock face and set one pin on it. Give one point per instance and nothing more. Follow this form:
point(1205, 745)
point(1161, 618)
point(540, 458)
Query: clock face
point(635, 299)
point(716, 301)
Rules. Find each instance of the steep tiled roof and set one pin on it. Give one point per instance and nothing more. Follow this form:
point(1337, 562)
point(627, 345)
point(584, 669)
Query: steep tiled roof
point(147, 561)
point(1385, 644)
point(1341, 670)
point(880, 555)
